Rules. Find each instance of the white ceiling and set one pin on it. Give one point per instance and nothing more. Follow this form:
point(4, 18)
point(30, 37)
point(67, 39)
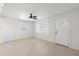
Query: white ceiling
point(42, 10)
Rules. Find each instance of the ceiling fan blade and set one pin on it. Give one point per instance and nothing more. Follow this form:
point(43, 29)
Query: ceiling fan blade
point(34, 17)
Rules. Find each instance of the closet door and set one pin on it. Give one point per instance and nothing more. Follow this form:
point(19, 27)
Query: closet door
point(63, 32)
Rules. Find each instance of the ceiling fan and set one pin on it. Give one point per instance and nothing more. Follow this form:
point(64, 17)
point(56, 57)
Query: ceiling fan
point(33, 17)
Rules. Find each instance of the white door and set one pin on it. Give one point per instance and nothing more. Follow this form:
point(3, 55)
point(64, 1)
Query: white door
point(63, 31)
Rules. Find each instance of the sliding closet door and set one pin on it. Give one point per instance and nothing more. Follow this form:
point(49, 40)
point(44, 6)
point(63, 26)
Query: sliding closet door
point(63, 32)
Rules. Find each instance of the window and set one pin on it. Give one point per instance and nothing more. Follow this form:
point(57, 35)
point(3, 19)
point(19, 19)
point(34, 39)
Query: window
point(42, 26)
point(24, 26)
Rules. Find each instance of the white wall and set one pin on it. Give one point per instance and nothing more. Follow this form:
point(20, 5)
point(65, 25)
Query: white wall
point(51, 21)
point(12, 29)
point(75, 30)
point(2, 22)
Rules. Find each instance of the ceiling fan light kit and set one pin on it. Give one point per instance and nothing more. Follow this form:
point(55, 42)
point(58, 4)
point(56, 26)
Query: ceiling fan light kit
point(32, 17)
